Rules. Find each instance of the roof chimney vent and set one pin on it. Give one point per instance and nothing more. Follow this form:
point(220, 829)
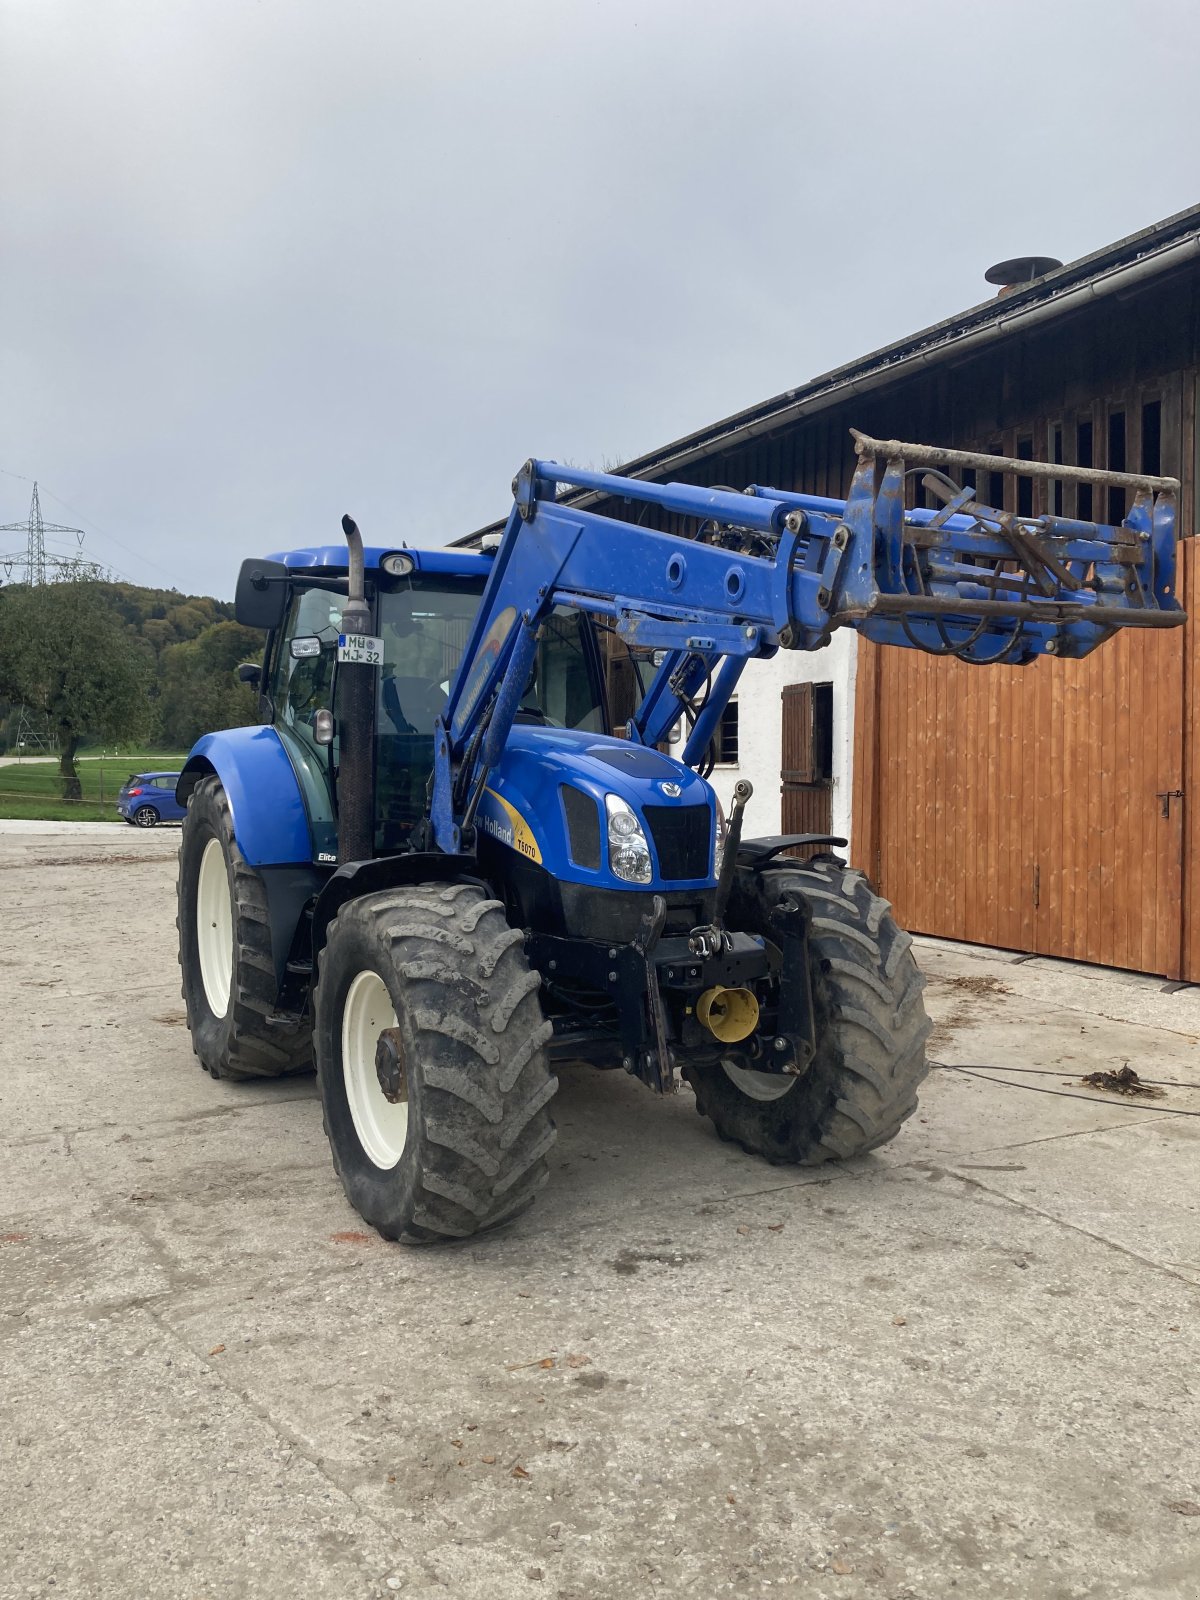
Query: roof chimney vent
point(1015, 274)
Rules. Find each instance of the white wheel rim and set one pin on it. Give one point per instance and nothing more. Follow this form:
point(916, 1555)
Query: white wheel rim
point(214, 928)
point(762, 1086)
point(381, 1126)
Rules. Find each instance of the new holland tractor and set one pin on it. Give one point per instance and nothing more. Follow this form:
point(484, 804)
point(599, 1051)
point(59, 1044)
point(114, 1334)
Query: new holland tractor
point(436, 872)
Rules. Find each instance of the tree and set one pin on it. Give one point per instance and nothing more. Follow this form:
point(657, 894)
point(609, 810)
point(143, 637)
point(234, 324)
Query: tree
point(159, 632)
point(66, 652)
point(199, 690)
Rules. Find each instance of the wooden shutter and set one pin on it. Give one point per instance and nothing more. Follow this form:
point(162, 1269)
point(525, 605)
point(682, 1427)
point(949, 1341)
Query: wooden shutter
point(798, 765)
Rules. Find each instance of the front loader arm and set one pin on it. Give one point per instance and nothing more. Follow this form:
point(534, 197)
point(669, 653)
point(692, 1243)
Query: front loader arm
point(771, 569)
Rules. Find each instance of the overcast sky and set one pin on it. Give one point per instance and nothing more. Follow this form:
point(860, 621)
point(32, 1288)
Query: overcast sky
point(267, 262)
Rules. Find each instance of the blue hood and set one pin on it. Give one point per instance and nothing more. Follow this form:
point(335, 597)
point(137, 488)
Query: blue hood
point(523, 805)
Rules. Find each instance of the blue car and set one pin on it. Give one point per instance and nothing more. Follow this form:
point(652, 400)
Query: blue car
point(148, 798)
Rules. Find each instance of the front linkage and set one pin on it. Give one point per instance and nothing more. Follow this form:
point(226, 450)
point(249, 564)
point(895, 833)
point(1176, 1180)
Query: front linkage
point(707, 994)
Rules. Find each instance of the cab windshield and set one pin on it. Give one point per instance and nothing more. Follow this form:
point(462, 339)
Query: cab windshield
point(424, 626)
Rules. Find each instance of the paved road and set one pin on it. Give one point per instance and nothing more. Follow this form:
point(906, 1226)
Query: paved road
point(965, 1367)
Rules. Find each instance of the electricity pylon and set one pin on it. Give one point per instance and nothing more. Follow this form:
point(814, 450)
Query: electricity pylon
point(40, 564)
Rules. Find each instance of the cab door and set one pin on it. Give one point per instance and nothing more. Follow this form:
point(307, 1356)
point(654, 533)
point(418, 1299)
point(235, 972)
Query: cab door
point(300, 683)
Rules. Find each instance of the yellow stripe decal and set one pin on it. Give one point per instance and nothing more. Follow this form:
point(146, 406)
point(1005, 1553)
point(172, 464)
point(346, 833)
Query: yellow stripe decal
point(518, 834)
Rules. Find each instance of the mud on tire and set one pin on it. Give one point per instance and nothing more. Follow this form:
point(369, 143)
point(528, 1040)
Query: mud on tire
point(241, 1042)
point(871, 1026)
point(470, 1033)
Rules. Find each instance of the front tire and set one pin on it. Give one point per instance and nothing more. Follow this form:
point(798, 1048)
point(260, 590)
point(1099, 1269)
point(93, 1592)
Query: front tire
point(862, 1083)
point(225, 951)
point(459, 1141)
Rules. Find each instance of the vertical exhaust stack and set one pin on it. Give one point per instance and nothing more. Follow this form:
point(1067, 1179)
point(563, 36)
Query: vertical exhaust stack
point(356, 715)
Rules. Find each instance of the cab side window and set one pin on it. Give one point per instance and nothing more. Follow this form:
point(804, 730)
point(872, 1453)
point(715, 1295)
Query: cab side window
point(562, 690)
point(302, 678)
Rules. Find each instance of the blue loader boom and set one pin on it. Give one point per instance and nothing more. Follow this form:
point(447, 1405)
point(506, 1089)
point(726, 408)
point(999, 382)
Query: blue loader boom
point(437, 871)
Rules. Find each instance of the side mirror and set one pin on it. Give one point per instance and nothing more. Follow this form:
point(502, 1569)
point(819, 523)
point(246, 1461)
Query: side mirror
point(262, 593)
point(250, 672)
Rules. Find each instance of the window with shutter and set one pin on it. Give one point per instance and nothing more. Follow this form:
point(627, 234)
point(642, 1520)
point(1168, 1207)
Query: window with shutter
point(806, 768)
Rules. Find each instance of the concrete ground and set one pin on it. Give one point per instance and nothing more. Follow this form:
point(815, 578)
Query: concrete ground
point(966, 1366)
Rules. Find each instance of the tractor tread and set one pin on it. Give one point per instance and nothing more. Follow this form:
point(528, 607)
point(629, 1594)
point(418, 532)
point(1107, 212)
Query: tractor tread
point(432, 935)
point(249, 1041)
point(462, 1145)
point(862, 1085)
point(523, 1161)
point(523, 1115)
point(468, 1010)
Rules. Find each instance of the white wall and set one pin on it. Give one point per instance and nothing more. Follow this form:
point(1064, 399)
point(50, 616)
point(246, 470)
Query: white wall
point(760, 729)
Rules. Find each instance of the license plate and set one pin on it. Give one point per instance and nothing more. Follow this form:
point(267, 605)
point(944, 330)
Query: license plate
point(360, 648)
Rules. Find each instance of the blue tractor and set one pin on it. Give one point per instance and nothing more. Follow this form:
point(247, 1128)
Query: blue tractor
point(436, 872)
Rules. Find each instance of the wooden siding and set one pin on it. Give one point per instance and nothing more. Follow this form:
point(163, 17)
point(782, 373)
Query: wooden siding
point(1189, 910)
point(1023, 807)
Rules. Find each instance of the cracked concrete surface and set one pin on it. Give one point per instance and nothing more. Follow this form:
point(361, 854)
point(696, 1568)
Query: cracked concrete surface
point(964, 1366)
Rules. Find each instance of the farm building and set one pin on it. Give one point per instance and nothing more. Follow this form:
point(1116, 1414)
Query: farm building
point(1043, 808)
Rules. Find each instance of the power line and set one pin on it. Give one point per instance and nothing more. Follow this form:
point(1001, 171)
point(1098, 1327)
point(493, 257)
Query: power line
point(111, 537)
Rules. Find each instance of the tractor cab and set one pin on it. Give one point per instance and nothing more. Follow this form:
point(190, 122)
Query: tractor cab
point(422, 611)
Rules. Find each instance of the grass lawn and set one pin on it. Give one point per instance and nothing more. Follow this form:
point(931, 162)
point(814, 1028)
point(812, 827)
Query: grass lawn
point(32, 790)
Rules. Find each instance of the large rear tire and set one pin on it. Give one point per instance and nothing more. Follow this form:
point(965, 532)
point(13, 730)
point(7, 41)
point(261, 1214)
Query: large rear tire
point(458, 1142)
point(225, 951)
point(871, 1027)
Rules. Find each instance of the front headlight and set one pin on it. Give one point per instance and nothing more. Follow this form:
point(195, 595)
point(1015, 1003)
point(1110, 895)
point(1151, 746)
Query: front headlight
point(628, 852)
point(722, 830)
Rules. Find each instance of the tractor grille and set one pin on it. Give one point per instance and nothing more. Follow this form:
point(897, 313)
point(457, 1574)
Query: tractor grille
point(682, 840)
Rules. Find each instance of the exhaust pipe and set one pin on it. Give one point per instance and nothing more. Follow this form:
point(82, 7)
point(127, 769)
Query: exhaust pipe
point(728, 1014)
point(356, 716)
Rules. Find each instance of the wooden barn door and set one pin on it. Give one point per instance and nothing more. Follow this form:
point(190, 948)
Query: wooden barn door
point(1037, 808)
point(806, 783)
